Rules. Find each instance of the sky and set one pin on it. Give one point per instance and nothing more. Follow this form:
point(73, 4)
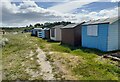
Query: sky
point(17, 13)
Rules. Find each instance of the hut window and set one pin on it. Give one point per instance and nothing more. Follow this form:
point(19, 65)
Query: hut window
point(53, 32)
point(92, 30)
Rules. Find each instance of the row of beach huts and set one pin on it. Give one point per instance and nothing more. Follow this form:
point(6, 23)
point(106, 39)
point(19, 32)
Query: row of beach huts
point(102, 34)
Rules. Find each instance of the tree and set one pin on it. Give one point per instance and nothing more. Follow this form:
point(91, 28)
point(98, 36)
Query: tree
point(30, 26)
point(37, 25)
point(27, 26)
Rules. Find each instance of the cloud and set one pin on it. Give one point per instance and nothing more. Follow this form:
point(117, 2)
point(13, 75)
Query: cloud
point(66, 7)
point(71, 5)
point(74, 4)
point(29, 13)
point(106, 13)
point(114, 0)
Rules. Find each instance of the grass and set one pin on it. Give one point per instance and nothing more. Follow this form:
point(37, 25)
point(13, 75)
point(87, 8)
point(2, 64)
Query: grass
point(85, 64)
point(97, 70)
point(57, 47)
point(94, 67)
point(84, 54)
point(14, 55)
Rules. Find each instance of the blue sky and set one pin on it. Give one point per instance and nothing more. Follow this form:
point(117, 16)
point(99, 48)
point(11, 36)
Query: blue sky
point(43, 4)
point(94, 6)
point(31, 12)
point(47, 4)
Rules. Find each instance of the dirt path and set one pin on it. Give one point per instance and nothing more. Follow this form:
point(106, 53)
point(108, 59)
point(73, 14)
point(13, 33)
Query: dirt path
point(46, 68)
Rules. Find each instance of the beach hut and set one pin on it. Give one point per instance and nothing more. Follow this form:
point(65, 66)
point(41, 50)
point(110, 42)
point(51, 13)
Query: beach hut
point(44, 33)
point(102, 34)
point(34, 32)
point(55, 33)
point(71, 34)
point(47, 33)
point(41, 33)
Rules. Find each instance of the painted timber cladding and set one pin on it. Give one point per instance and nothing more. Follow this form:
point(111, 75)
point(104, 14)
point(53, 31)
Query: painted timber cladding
point(98, 42)
point(33, 32)
point(41, 34)
point(53, 38)
point(68, 36)
point(71, 34)
point(47, 34)
point(58, 34)
point(77, 32)
point(113, 36)
point(119, 34)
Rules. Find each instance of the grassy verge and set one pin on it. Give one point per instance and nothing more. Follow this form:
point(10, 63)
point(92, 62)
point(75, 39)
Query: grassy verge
point(59, 48)
point(94, 68)
point(80, 63)
point(16, 57)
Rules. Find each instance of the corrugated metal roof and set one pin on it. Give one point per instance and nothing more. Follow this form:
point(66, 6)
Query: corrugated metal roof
point(58, 26)
point(41, 28)
point(46, 29)
point(70, 26)
point(107, 20)
point(38, 28)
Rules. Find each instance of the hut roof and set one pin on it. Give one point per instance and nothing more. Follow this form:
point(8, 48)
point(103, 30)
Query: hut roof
point(73, 25)
point(38, 28)
point(70, 26)
point(100, 21)
point(58, 26)
point(46, 29)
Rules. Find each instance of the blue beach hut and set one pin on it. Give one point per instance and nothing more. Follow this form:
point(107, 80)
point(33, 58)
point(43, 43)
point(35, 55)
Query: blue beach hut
point(41, 33)
point(34, 31)
point(102, 34)
point(44, 33)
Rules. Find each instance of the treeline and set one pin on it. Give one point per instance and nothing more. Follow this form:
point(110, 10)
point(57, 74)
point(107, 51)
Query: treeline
point(47, 24)
point(37, 25)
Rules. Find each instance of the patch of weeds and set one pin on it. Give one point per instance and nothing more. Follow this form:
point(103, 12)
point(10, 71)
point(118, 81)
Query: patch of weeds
point(42, 46)
point(41, 43)
point(58, 76)
point(34, 68)
point(92, 50)
point(48, 58)
point(60, 48)
point(96, 71)
point(88, 70)
point(35, 56)
point(15, 52)
point(79, 52)
point(37, 78)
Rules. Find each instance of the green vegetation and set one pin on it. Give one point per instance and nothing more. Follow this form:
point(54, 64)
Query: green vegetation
point(16, 57)
point(49, 25)
point(95, 67)
point(58, 47)
point(80, 63)
point(37, 25)
point(13, 29)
